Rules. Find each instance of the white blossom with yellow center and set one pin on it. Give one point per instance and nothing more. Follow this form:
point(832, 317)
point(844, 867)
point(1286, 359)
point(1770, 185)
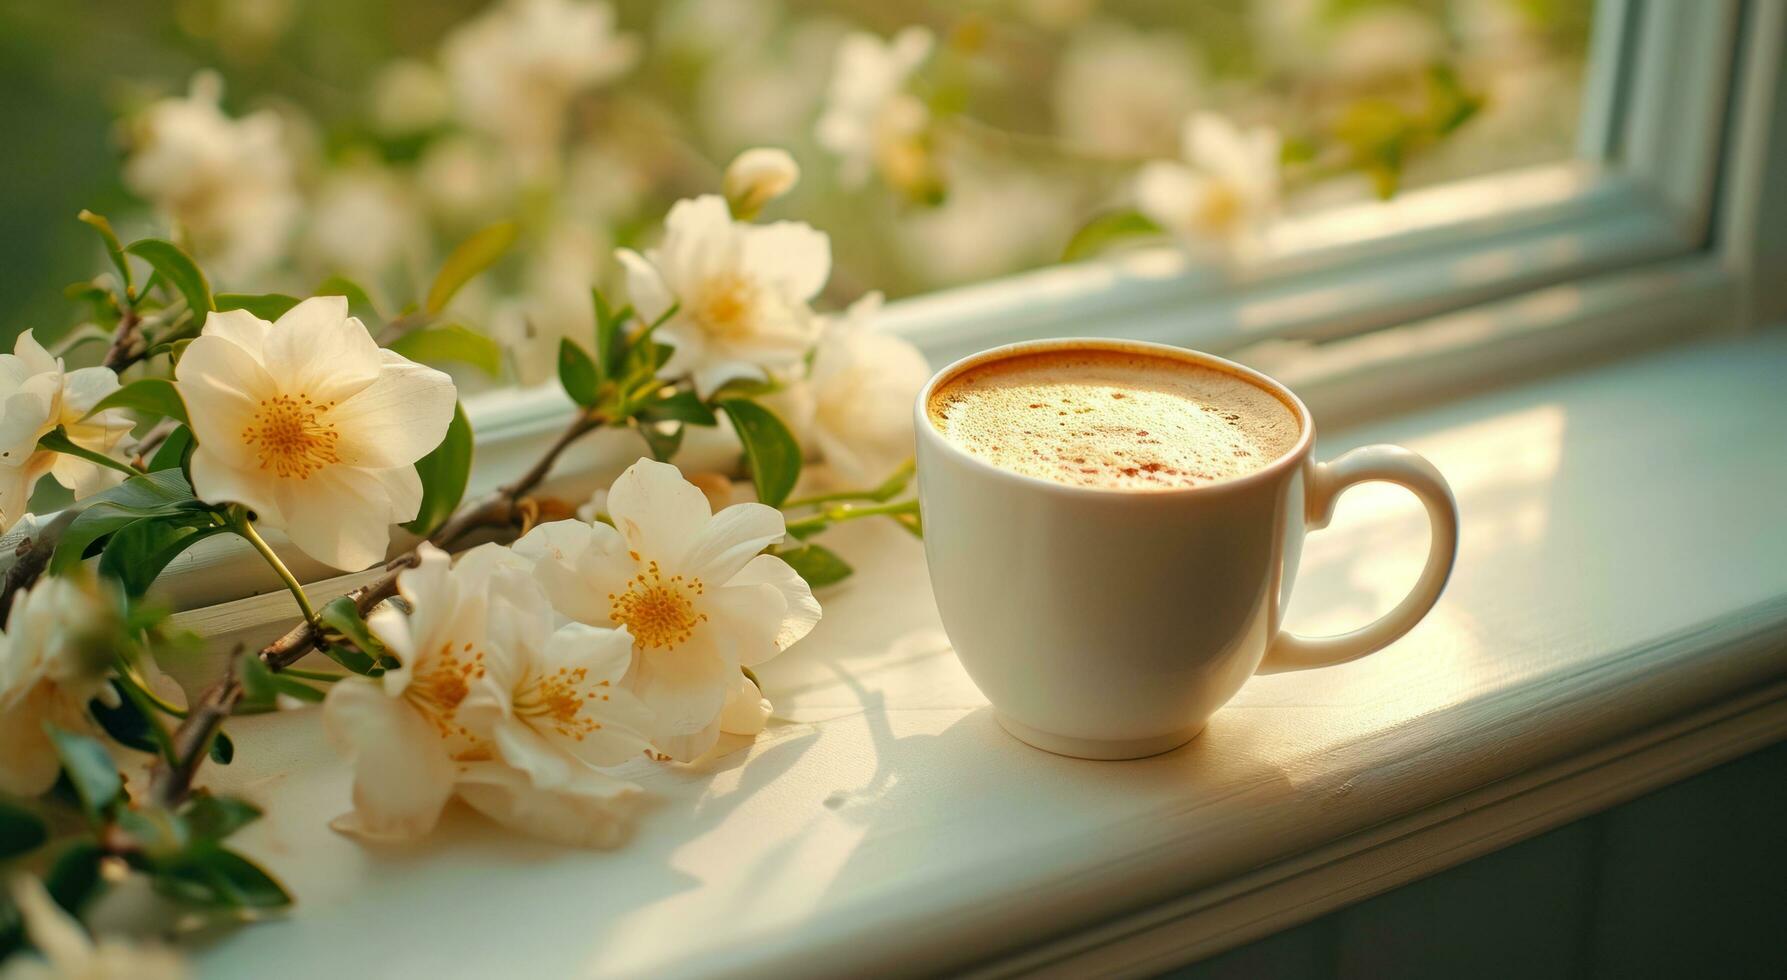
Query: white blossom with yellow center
point(309, 424)
point(741, 291)
point(1220, 199)
point(36, 396)
point(498, 699)
point(694, 590)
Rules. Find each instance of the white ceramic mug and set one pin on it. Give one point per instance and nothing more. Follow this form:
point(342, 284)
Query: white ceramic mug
point(1111, 624)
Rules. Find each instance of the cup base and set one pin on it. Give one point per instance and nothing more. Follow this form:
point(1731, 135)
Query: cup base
point(1102, 749)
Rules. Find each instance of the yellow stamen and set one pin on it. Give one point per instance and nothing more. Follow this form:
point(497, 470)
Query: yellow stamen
point(658, 612)
point(292, 436)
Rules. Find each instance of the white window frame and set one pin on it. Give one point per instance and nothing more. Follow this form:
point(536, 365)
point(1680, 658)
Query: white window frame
point(1666, 226)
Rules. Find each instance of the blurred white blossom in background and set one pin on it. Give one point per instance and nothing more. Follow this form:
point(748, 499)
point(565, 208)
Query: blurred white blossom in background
point(1219, 199)
point(515, 68)
point(870, 121)
point(226, 184)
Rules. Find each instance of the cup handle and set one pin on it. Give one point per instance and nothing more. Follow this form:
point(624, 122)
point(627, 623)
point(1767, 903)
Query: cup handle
point(1326, 482)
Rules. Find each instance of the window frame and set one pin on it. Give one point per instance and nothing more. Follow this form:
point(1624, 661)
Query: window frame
point(1373, 307)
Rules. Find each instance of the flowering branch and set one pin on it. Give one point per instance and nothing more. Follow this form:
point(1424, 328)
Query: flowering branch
point(192, 740)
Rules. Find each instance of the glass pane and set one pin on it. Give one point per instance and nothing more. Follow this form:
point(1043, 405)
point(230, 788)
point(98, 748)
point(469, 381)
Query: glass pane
point(938, 143)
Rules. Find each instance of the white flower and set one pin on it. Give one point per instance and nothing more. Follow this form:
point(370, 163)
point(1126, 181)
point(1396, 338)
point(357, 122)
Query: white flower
point(1228, 189)
point(495, 700)
point(309, 424)
point(863, 383)
point(515, 68)
point(756, 177)
point(741, 291)
point(66, 952)
point(693, 590)
point(870, 120)
point(53, 660)
point(36, 396)
point(1121, 92)
point(227, 183)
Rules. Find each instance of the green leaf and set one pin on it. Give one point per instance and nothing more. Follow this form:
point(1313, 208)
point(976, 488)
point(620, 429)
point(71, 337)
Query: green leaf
point(56, 440)
point(358, 303)
point(90, 770)
point(444, 473)
point(157, 833)
point(817, 564)
point(1107, 229)
point(262, 687)
point(172, 452)
point(577, 373)
point(644, 359)
point(113, 247)
point(611, 336)
point(215, 876)
point(683, 406)
point(223, 749)
point(151, 396)
point(472, 257)
point(123, 721)
point(769, 446)
point(73, 879)
point(137, 553)
point(178, 269)
point(150, 495)
point(433, 345)
point(213, 818)
point(663, 442)
point(360, 654)
point(21, 831)
point(267, 306)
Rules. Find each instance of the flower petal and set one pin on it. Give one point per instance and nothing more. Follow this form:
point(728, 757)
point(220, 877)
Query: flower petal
point(216, 479)
point(685, 689)
point(402, 776)
point(317, 349)
point(746, 711)
point(239, 327)
point(342, 516)
point(596, 810)
point(657, 511)
point(221, 385)
point(398, 418)
point(795, 256)
point(651, 296)
point(730, 539)
point(765, 609)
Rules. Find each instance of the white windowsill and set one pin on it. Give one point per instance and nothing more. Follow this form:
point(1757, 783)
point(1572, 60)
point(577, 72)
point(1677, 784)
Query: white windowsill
point(1616, 622)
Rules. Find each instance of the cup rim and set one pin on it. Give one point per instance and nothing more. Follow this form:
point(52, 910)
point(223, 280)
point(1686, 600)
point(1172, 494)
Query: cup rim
point(1290, 459)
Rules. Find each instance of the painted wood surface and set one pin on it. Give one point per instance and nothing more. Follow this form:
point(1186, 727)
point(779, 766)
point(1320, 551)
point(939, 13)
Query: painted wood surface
point(1622, 582)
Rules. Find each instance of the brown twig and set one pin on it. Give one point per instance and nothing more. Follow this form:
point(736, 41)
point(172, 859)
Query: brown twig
point(127, 347)
point(31, 558)
point(192, 739)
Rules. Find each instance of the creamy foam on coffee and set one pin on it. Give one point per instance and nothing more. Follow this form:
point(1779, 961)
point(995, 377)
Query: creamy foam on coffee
point(1112, 419)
